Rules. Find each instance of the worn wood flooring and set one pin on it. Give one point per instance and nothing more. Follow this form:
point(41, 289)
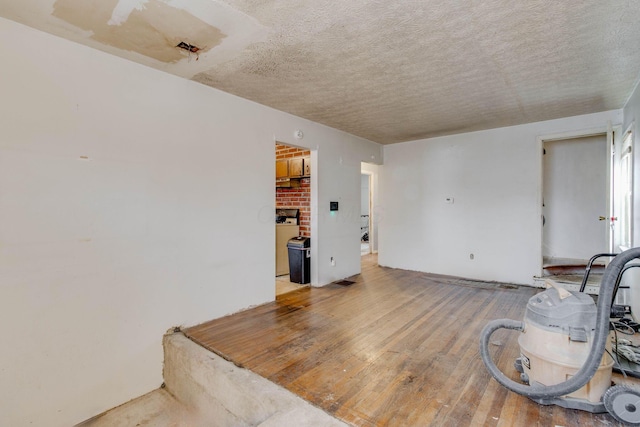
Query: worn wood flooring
point(396, 348)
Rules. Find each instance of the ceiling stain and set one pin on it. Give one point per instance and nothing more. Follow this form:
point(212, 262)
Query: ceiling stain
point(385, 71)
point(155, 31)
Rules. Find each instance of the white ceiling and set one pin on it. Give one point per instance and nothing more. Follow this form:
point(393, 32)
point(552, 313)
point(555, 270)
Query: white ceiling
point(388, 71)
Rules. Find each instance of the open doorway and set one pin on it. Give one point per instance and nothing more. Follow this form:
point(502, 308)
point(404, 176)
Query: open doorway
point(576, 204)
point(292, 215)
point(365, 214)
point(369, 210)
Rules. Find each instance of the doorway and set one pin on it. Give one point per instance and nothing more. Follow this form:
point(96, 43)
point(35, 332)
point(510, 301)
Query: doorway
point(292, 211)
point(369, 209)
point(365, 214)
point(575, 199)
point(576, 207)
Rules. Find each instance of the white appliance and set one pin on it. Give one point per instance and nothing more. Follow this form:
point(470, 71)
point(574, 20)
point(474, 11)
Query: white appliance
point(286, 228)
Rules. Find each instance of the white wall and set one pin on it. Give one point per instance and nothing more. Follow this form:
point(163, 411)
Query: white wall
point(494, 178)
point(631, 113)
point(132, 201)
point(364, 195)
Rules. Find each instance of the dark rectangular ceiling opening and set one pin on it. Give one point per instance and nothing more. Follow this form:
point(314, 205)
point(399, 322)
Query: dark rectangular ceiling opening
point(189, 47)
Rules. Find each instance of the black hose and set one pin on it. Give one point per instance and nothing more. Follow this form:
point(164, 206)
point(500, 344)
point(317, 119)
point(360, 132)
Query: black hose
point(588, 370)
point(619, 279)
point(585, 278)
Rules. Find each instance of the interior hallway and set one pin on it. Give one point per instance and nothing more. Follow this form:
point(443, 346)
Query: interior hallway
point(397, 348)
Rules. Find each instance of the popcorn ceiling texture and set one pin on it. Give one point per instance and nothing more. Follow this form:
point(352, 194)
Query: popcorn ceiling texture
point(398, 71)
point(392, 71)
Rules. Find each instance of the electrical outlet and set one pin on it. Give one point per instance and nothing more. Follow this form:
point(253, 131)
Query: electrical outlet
point(333, 262)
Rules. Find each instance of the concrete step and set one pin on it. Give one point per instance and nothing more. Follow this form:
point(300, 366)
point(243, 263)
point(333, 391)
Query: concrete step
point(158, 408)
point(218, 390)
point(203, 389)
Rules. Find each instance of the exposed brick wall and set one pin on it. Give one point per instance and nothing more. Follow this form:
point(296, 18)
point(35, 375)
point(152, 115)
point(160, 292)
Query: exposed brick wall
point(299, 198)
point(286, 152)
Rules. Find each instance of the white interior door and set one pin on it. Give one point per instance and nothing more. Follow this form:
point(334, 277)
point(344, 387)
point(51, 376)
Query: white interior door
point(575, 198)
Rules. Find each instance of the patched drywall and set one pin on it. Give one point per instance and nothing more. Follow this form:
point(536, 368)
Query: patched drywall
point(152, 28)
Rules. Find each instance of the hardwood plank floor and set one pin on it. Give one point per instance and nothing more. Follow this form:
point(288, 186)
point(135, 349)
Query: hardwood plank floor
point(396, 348)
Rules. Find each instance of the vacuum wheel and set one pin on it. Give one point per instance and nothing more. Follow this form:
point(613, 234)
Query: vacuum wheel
point(623, 403)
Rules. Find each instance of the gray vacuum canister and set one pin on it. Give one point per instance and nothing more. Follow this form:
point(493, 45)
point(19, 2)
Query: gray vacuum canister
point(550, 312)
point(556, 340)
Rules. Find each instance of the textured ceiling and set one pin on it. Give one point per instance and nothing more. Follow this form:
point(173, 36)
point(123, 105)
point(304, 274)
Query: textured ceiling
point(386, 71)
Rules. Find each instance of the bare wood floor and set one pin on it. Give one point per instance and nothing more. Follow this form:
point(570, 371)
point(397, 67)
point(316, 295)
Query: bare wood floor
point(397, 348)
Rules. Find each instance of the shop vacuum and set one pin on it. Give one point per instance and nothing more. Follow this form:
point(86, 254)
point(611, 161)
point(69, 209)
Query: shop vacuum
point(563, 350)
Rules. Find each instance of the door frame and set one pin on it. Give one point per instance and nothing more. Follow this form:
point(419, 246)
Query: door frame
point(612, 133)
point(313, 204)
point(616, 159)
point(374, 211)
point(369, 174)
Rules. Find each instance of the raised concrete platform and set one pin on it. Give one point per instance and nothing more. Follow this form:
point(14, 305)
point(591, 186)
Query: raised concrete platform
point(203, 389)
point(158, 409)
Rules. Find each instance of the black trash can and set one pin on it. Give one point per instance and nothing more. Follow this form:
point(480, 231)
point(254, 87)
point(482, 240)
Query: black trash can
point(299, 259)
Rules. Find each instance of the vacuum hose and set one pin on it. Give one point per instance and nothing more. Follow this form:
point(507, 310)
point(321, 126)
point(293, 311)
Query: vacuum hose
point(594, 358)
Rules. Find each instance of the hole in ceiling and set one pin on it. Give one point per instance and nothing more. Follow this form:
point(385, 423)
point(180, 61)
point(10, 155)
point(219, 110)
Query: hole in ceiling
point(189, 47)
